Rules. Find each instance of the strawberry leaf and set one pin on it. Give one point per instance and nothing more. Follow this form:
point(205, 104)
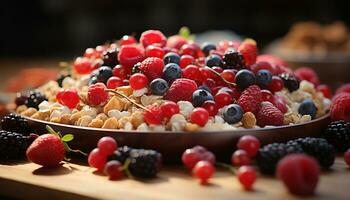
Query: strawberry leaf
point(185, 32)
point(67, 138)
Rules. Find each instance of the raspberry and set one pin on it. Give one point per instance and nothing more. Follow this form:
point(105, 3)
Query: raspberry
point(249, 51)
point(308, 74)
point(176, 41)
point(97, 94)
point(181, 90)
point(274, 60)
point(153, 115)
point(299, 173)
point(344, 88)
point(340, 108)
point(82, 65)
point(152, 67)
point(68, 97)
point(250, 99)
point(269, 115)
point(145, 163)
point(154, 37)
point(127, 39)
point(129, 55)
point(326, 90)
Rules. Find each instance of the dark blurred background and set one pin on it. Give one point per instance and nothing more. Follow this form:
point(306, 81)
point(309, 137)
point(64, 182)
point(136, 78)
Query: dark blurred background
point(64, 28)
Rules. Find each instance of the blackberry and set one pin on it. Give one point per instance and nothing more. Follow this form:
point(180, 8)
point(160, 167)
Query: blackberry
point(34, 99)
point(15, 123)
point(136, 68)
point(14, 145)
point(290, 82)
point(145, 163)
point(21, 98)
point(233, 60)
point(121, 154)
point(338, 134)
point(269, 155)
point(320, 149)
point(110, 58)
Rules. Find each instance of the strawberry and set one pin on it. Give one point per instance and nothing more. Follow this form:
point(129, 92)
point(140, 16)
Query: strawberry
point(152, 67)
point(250, 99)
point(306, 73)
point(269, 115)
point(249, 51)
point(181, 90)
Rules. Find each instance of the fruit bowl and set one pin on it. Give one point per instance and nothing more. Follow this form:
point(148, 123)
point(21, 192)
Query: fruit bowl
point(172, 144)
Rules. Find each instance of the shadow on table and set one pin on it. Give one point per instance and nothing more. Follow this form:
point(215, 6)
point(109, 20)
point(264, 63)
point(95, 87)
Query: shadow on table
point(56, 171)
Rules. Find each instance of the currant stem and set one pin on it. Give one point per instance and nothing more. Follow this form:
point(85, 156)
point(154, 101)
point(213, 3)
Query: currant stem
point(125, 168)
point(222, 78)
point(128, 99)
point(227, 166)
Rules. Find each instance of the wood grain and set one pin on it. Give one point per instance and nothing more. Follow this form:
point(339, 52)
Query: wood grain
point(74, 181)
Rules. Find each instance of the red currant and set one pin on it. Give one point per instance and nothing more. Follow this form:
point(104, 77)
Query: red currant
point(138, 81)
point(97, 94)
point(223, 99)
point(240, 158)
point(247, 176)
point(68, 97)
point(154, 37)
point(169, 109)
point(190, 158)
point(205, 73)
point(92, 53)
point(113, 169)
point(276, 84)
point(236, 93)
point(121, 71)
point(217, 69)
point(199, 116)
point(347, 157)
point(191, 72)
point(267, 95)
point(189, 49)
point(82, 65)
point(250, 144)
point(129, 55)
point(325, 89)
point(211, 107)
point(229, 75)
point(203, 170)
point(114, 82)
point(97, 159)
point(280, 103)
point(127, 39)
point(153, 115)
point(154, 51)
point(107, 145)
point(186, 60)
point(210, 83)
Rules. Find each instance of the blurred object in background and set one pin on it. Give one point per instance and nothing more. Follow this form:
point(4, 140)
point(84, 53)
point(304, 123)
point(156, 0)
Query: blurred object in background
point(215, 37)
point(326, 49)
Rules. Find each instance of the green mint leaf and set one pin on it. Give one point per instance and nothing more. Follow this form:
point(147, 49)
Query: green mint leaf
point(185, 32)
point(67, 138)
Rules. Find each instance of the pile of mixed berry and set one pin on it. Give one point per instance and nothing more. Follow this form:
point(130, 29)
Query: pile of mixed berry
point(175, 84)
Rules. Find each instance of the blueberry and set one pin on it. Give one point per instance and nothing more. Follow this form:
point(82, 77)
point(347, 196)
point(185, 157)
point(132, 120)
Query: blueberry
point(171, 57)
point(245, 78)
point(171, 72)
point(207, 47)
point(159, 86)
point(200, 96)
point(263, 77)
point(233, 113)
point(213, 60)
point(93, 80)
point(204, 87)
point(307, 107)
point(104, 73)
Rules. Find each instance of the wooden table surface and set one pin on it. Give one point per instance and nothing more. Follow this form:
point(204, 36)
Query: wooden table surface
point(74, 181)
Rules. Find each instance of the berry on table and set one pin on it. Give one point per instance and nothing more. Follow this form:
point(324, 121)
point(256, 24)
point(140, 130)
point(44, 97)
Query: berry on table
point(172, 72)
point(154, 51)
point(325, 89)
point(250, 144)
point(199, 116)
point(245, 78)
point(240, 158)
point(138, 81)
point(191, 157)
point(222, 99)
point(338, 134)
point(127, 39)
point(213, 61)
point(159, 86)
point(129, 55)
point(153, 37)
point(145, 163)
point(200, 96)
point(181, 90)
point(152, 67)
point(307, 107)
point(14, 145)
point(299, 173)
point(97, 94)
point(276, 84)
point(268, 114)
point(211, 107)
point(153, 115)
point(114, 82)
point(246, 176)
point(15, 123)
point(113, 169)
point(340, 107)
point(233, 114)
point(347, 157)
point(203, 170)
point(107, 145)
point(171, 57)
point(104, 73)
point(68, 97)
point(97, 159)
point(263, 78)
point(169, 109)
point(233, 59)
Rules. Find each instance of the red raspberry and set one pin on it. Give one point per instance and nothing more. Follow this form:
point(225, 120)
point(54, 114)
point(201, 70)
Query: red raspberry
point(299, 173)
point(69, 98)
point(152, 67)
point(127, 39)
point(249, 51)
point(306, 73)
point(129, 55)
point(97, 94)
point(176, 41)
point(340, 108)
point(344, 88)
point(274, 60)
point(154, 37)
point(181, 90)
point(250, 99)
point(82, 65)
point(269, 115)
point(153, 115)
point(326, 90)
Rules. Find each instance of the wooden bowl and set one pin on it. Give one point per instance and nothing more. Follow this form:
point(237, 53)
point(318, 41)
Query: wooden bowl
point(173, 144)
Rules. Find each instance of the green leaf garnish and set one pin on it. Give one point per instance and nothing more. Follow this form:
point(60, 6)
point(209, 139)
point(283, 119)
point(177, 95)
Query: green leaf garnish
point(67, 138)
point(185, 32)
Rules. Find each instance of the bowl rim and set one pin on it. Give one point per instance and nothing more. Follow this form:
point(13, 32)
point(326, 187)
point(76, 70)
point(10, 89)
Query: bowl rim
point(118, 131)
